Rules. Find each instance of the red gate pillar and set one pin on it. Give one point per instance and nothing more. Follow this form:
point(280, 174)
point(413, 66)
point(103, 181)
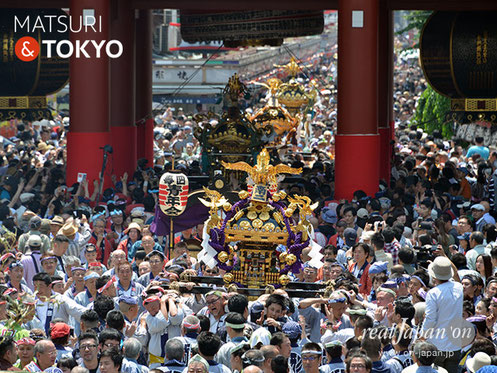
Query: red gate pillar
point(88, 95)
point(357, 140)
point(144, 120)
point(122, 98)
point(386, 124)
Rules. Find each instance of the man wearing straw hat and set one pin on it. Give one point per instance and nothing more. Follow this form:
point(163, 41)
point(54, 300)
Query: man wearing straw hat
point(76, 240)
point(443, 311)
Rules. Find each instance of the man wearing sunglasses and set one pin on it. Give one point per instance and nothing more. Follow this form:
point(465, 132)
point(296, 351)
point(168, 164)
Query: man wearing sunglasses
point(311, 357)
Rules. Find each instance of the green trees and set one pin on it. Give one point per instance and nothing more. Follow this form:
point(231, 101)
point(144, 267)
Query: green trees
point(433, 113)
point(433, 110)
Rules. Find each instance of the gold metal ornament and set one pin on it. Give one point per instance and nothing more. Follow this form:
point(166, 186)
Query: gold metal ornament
point(263, 172)
point(278, 217)
point(291, 259)
point(269, 227)
point(223, 257)
point(264, 215)
point(289, 212)
point(219, 184)
point(282, 257)
point(284, 280)
point(238, 215)
point(228, 278)
point(245, 224)
point(257, 223)
point(243, 194)
point(227, 206)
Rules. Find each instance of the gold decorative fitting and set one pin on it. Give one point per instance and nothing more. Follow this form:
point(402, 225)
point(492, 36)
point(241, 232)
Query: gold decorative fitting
point(243, 194)
point(223, 257)
point(291, 259)
point(269, 227)
point(250, 235)
point(262, 173)
point(289, 211)
point(257, 223)
point(284, 280)
point(282, 257)
point(292, 67)
point(264, 215)
point(228, 278)
point(23, 102)
point(473, 104)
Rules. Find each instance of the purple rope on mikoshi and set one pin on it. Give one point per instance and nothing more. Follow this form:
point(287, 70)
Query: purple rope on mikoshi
point(217, 236)
point(226, 267)
point(294, 244)
point(281, 208)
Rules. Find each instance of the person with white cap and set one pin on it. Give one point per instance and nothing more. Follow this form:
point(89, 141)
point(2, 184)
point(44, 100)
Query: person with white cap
point(479, 211)
point(478, 361)
point(443, 312)
point(31, 262)
point(34, 230)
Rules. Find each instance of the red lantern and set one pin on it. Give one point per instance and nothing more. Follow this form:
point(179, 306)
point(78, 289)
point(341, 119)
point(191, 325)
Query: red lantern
point(173, 193)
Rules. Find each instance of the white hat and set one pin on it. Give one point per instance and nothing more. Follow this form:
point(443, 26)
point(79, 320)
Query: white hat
point(260, 335)
point(367, 235)
point(480, 359)
point(26, 197)
point(362, 213)
point(441, 268)
point(34, 241)
point(478, 206)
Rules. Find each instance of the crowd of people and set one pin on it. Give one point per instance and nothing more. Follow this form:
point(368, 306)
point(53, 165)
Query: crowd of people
point(409, 273)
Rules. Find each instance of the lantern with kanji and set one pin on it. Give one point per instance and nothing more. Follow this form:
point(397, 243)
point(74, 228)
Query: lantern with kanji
point(173, 193)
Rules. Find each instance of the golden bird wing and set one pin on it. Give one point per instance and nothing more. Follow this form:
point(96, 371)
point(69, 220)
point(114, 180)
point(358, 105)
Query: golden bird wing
point(238, 166)
point(212, 193)
point(284, 169)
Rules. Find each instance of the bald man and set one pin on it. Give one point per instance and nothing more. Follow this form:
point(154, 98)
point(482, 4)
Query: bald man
point(269, 352)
